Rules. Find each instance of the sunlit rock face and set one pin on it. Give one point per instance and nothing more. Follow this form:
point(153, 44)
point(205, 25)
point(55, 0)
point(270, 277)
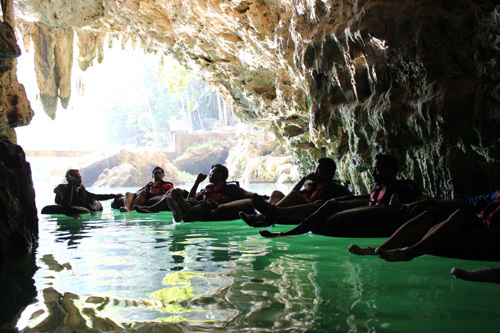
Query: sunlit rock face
point(345, 78)
point(15, 109)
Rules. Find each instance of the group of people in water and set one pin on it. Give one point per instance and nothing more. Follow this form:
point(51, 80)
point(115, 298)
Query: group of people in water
point(415, 224)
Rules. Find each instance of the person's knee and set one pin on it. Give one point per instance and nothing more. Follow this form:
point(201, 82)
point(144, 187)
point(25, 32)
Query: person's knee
point(277, 193)
point(96, 206)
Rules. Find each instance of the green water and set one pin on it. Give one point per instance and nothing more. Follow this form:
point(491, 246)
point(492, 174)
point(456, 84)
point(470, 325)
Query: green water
point(222, 276)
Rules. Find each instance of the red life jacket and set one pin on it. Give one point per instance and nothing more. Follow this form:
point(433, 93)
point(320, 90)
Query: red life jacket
point(158, 188)
point(381, 196)
point(216, 192)
point(313, 192)
point(491, 213)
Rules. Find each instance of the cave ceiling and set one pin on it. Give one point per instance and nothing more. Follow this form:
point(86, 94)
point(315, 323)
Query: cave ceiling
point(345, 78)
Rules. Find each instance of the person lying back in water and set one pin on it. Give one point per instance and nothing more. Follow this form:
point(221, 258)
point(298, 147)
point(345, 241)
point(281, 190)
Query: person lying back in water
point(381, 215)
point(156, 188)
point(440, 221)
point(300, 202)
point(218, 192)
point(73, 198)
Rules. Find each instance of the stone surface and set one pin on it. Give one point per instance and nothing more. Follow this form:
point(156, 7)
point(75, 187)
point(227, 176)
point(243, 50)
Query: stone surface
point(126, 168)
point(199, 157)
point(344, 78)
point(259, 158)
point(18, 214)
point(15, 109)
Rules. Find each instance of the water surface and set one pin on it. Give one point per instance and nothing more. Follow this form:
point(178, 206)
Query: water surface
point(222, 276)
point(113, 271)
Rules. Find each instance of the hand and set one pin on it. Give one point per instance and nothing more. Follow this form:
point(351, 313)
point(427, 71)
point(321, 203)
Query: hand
point(118, 195)
point(201, 177)
point(310, 176)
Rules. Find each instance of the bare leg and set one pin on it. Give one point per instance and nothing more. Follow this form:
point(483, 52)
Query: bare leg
point(139, 200)
point(276, 197)
point(297, 211)
point(291, 199)
point(319, 216)
point(129, 198)
point(158, 206)
point(437, 235)
point(408, 234)
point(481, 275)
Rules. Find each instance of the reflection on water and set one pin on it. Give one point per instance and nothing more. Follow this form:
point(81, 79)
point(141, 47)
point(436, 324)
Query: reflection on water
point(113, 271)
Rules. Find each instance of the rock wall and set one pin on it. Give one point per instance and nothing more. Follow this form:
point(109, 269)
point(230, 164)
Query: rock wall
point(344, 78)
point(18, 214)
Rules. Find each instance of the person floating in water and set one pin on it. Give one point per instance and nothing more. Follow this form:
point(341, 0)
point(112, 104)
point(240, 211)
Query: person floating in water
point(435, 226)
point(157, 188)
point(73, 199)
point(299, 203)
point(381, 215)
point(199, 205)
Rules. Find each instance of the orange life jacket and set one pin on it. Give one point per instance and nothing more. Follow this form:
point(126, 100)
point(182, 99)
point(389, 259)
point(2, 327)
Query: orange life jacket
point(491, 213)
point(216, 192)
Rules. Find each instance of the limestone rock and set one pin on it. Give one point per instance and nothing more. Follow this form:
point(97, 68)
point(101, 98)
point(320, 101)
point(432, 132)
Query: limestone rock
point(15, 109)
point(122, 175)
point(345, 79)
point(200, 157)
point(18, 214)
point(259, 158)
point(53, 64)
point(98, 171)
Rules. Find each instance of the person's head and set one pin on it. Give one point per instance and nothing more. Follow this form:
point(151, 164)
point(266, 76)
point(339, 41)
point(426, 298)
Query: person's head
point(325, 169)
point(385, 168)
point(73, 175)
point(158, 174)
point(218, 173)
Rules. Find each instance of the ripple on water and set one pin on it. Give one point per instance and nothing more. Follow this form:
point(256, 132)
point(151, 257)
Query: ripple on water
point(134, 268)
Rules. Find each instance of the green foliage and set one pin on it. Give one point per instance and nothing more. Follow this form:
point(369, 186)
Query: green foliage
point(186, 177)
point(203, 145)
point(148, 101)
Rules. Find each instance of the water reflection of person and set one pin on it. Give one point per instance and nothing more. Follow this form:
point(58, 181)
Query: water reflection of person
point(73, 198)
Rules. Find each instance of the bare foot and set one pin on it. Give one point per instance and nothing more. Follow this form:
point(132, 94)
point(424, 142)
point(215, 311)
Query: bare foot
point(481, 275)
point(142, 209)
point(361, 251)
point(391, 255)
point(257, 221)
point(268, 234)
